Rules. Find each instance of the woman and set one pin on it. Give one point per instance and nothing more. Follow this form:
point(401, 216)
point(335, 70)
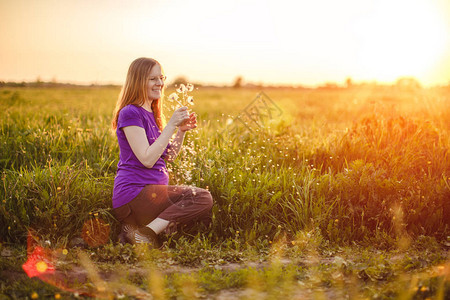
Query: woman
point(142, 199)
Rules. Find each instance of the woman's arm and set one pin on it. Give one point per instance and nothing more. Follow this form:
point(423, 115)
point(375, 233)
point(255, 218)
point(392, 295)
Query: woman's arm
point(148, 154)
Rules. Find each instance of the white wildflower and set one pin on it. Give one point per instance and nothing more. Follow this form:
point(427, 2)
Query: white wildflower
point(190, 100)
point(173, 97)
point(181, 89)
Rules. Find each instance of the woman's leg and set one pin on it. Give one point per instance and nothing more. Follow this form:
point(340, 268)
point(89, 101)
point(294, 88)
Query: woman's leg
point(158, 205)
point(190, 205)
point(139, 212)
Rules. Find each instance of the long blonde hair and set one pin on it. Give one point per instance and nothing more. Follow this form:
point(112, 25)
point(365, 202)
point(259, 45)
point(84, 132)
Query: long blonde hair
point(134, 91)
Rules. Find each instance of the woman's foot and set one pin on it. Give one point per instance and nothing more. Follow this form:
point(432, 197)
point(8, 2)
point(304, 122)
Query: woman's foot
point(134, 235)
point(126, 236)
point(145, 235)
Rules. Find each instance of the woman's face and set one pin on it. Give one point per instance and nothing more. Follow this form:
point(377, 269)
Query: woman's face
point(155, 83)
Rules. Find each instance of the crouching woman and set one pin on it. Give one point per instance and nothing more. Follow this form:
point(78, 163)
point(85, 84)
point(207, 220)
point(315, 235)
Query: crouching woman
point(142, 200)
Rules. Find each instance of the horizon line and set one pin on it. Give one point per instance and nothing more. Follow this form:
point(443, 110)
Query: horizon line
point(330, 84)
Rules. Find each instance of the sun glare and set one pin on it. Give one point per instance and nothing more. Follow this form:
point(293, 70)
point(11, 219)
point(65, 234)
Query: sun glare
point(401, 38)
point(276, 42)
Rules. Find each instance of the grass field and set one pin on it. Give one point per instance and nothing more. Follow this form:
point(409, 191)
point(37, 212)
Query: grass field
point(343, 193)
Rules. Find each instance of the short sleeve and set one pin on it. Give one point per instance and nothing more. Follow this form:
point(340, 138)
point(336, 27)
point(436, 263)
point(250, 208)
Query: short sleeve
point(129, 116)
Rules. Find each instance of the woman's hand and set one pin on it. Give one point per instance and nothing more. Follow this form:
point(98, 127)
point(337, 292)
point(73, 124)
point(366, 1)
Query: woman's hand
point(189, 124)
point(179, 117)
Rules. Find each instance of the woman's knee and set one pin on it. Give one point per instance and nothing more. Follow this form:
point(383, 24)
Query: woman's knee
point(205, 198)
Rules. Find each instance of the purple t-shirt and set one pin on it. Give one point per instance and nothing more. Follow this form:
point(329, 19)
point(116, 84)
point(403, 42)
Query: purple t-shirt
point(132, 175)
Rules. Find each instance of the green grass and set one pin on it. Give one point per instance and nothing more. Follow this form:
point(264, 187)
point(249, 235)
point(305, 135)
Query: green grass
point(364, 166)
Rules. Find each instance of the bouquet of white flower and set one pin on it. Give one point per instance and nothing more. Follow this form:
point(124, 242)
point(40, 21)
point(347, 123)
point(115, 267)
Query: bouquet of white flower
point(181, 95)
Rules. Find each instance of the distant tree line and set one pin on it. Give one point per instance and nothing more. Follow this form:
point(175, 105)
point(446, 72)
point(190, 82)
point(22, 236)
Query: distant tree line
point(49, 84)
point(403, 83)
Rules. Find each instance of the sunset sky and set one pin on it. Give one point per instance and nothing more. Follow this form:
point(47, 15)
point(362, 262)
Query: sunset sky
point(299, 42)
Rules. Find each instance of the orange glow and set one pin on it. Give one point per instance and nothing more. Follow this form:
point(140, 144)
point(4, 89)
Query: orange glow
point(402, 38)
point(41, 266)
point(39, 263)
point(297, 42)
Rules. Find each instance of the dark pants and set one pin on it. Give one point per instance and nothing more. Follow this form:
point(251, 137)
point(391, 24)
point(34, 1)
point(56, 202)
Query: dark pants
point(182, 205)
